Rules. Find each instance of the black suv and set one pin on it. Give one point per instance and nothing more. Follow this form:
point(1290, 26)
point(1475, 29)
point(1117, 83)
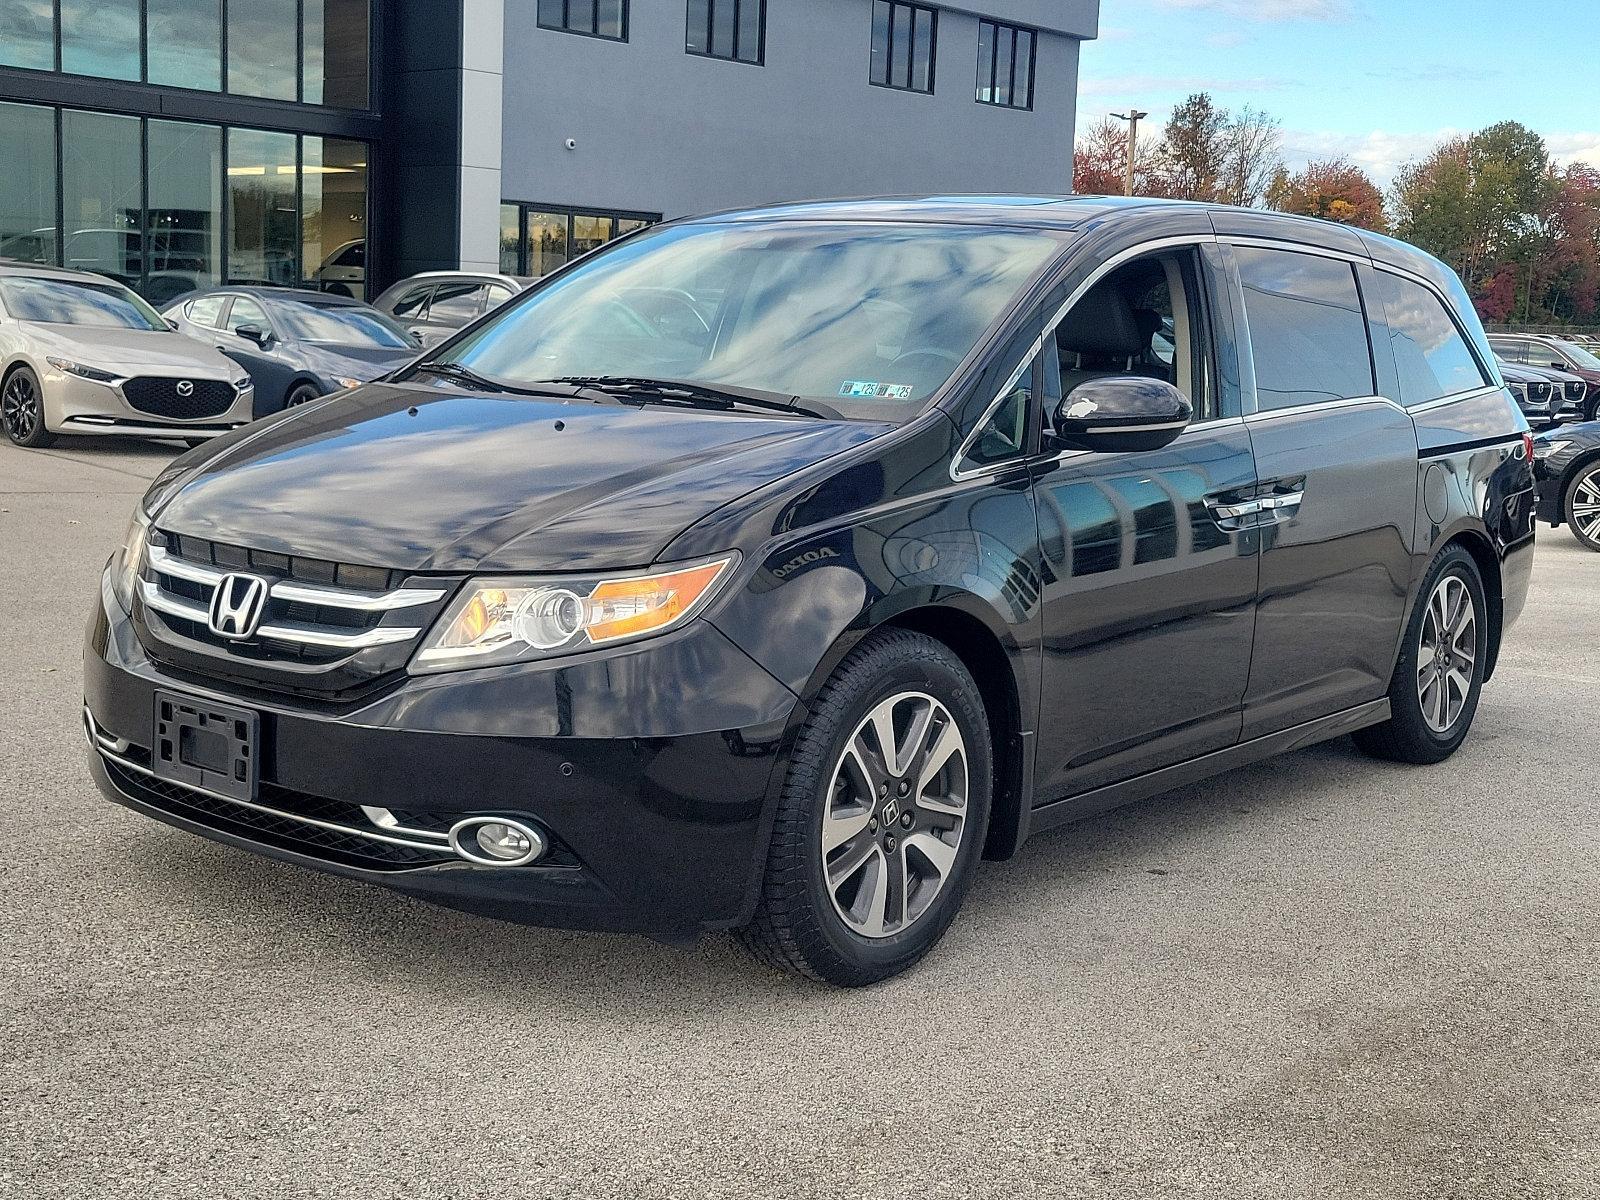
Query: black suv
point(766, 571)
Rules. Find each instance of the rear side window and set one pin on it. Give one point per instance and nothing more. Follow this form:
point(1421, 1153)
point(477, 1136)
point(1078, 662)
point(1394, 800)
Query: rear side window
point(206, 310)
point(457, 302)
point(1432, 356)
point(413, 302)
point(1307, 328)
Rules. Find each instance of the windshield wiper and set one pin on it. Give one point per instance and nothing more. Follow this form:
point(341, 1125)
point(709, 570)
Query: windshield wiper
point(720, 396)
point(467, 377)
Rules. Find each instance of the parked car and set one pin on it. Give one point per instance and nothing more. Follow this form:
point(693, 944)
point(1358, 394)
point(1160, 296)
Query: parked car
point(81, 354)
point(1566, 465)
point(782, 629)
point(435, 304)
point(344, 272)
point(1571, 393)
point(1538, 397)
point(1544, 351)
point(297, 345)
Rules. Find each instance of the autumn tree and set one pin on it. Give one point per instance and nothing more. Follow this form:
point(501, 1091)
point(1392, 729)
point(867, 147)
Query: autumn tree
point(1194, 148)
point(1334, 189)
point(1100, 162)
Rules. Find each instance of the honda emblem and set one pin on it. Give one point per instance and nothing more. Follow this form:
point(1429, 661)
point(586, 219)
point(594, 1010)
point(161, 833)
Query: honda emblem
point(237, 605)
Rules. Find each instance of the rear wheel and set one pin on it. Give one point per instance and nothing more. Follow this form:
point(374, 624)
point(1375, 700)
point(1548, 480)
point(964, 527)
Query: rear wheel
point(882, 818)
point(1434, 694)
point(1582, 505)
point(22, 409)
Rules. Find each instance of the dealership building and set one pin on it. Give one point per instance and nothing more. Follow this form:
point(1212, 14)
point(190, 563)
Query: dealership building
point(348, 143)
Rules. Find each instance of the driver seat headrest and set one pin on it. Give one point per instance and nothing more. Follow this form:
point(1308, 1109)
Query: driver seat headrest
point(1102, 324)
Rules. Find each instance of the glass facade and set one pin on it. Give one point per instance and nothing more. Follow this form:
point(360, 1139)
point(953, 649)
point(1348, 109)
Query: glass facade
point(538, 239)
point(169, 206)
point(28, 184)
point(311, 51)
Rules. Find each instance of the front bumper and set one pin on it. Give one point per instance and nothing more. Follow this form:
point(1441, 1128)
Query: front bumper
point(662, 833)
point(83, 406)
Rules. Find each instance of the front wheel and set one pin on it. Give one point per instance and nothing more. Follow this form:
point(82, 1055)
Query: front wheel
point(1582, 506)
point(22, 410)
point(1434, 694)
point(304, 394)
point(882, 817)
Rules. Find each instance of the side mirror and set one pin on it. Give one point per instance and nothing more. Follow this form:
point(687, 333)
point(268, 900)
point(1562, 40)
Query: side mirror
point(171, 324)
point(1122, 413)
point(254, 333)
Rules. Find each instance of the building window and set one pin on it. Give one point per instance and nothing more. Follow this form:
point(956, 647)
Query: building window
point(28, 184)
point(731, 29)
point(333, 215)
point(310, 51)
point(903, 41)
point(184, 220)
point(596, 18)
point(1005, 65)
point(536, 239)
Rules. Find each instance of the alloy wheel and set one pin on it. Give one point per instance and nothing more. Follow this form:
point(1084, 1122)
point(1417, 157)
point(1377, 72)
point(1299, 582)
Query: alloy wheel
point(1586, 505)
point(1447, 654)
point(19, 407)
point(895, 814)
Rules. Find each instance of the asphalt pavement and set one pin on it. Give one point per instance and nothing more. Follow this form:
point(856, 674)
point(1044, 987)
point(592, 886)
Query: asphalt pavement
point(1317, 977)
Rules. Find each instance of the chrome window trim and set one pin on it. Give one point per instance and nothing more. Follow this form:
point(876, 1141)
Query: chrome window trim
point(1116, 260)
point(1300, 410)
point(129, 765)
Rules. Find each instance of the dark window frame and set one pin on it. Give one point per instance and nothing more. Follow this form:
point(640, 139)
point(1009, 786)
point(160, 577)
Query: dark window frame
point(915, 11)
point(996, 30)
point(566, 25)
point(524, 207)
point(760, 60)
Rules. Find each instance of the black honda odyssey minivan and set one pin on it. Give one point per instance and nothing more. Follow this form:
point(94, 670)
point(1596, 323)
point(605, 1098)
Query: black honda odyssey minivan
point(767, 571)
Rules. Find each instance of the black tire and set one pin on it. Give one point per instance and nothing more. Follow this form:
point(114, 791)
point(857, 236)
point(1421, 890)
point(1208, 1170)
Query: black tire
point(1585, 525)
point(797, 927)
point(304, 393)
point(22, 410)
point(1407, 736)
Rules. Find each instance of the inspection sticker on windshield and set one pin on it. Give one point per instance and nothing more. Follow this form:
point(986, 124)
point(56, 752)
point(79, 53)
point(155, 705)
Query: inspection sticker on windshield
point(867, 390)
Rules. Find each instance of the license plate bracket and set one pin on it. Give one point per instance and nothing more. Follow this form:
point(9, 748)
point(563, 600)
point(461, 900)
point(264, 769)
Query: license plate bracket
point(206, 745)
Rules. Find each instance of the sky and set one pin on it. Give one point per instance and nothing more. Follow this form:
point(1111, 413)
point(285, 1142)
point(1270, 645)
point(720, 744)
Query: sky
point(1378, 81)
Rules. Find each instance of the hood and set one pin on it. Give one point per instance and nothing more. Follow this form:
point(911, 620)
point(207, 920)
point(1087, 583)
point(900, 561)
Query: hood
point(411, 477)
point(1542, 374)
point(133, 351)
point(357, 362)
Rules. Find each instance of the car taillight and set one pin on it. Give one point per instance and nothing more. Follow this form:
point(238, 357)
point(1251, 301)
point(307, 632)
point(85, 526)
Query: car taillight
point(1527, 447)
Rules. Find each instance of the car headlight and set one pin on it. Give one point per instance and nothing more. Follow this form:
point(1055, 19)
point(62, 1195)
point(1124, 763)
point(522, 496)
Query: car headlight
point(1546, 449)
point(497, 621)
point(81, 371)
point(346, 383)
point(129, 560)
point(244, 385)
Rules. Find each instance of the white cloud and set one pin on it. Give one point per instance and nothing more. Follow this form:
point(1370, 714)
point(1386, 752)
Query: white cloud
point(1271, 10)
point(1574, 147)
point(1381, 153)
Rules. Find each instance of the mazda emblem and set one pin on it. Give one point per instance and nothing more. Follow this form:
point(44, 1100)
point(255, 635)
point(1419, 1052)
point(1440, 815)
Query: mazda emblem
point(237, 605)
point(185, 388)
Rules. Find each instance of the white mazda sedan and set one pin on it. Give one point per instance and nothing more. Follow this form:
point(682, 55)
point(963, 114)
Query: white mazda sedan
point(82, 354)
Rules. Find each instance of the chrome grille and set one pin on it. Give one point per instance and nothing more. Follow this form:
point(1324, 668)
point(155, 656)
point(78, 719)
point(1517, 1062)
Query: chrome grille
point(1576, 390)
point(317, 635)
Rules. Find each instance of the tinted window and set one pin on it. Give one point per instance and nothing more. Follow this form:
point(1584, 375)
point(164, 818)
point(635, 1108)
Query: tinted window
point(1004, 435)
point(413, 302)
point(1307, 328)
point(70, 302)
point(205, 311)
point(1433, 358)
point(600, 18)
point(726, 29)
point(98, 37)
point(1005, 65)
point(28, 183)
point(263, 49)
point(903, 38)
point(101, 194)
point(30, 35)
point(1515, 352)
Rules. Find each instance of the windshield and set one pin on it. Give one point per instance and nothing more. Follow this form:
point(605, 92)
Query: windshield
point(870, 318)
point(1579, 355)
point(341, 325)
point(78, 302)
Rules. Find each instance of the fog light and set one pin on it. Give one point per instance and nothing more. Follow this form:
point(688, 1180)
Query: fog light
point(496, 842)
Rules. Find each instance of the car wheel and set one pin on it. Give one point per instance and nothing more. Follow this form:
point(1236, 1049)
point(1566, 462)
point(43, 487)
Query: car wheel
point(1582, 505)
point(22, 409)
point(1434, 694)
point(882, 817)
point(304, 394)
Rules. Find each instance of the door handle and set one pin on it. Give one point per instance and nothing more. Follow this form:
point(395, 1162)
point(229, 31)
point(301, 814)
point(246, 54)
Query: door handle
point(1232, 512)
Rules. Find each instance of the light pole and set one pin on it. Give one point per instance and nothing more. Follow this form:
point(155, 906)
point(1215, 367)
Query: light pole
point(1133, 116)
